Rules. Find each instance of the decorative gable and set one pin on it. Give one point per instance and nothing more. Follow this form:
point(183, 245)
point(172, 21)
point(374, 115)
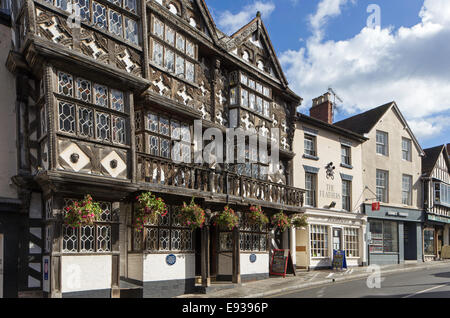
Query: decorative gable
point(252, 45)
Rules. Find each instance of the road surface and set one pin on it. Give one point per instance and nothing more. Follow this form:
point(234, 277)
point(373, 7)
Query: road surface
point(427, 283)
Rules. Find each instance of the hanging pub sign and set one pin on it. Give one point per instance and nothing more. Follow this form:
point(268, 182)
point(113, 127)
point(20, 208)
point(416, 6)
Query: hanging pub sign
point(339, 260)
point(282, 263)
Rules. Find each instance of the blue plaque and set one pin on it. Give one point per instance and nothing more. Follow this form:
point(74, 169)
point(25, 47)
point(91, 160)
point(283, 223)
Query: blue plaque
point(252, 258)
point(171, 259)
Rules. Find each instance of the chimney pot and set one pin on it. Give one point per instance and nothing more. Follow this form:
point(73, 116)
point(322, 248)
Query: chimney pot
point(322, 108)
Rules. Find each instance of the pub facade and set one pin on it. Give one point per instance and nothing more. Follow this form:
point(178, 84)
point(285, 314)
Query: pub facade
point(328, 165)
point(104, 100)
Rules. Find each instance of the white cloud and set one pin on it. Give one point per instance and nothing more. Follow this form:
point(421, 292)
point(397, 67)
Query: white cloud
point(430, 127)
point(409, 66)
point(326, 10)
point(230, 23)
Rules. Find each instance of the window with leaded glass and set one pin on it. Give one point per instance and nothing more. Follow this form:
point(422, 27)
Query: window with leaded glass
point(94, 238)
point(131, 30)
point(115, 23)
point(244, 98)
point(177, 54)
point(158, 53)
point(169, 60)
point(65, 84)
point(83, 90)
point(66, 117)
point(252, 238)
point(85, 122)
point(166, 235)
point(99, 15)
point(119, 131)
point(84, 6)
point(103, 126)
point(80, 119)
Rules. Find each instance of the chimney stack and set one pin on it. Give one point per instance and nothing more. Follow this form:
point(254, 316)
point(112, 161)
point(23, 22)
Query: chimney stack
point(322, 108)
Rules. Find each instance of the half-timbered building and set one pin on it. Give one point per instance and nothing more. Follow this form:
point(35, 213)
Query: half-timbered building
point(105, 90)
point(436, 187)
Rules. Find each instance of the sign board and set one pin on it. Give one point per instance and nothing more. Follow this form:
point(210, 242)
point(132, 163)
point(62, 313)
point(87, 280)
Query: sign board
point(376, 206)
point(282, 263)
point(339, 259)
point(46, 274)
point(1, 265)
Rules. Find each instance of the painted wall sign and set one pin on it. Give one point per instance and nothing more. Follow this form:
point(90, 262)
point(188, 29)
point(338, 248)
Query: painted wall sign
point(171, 259)
point(252, 258)
point(438, 218)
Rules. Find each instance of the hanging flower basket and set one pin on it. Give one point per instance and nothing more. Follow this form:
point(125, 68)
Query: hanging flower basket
point(227, 219)
point(257, 216)
point(149, 210)
point(192, 215)
point(299, 221)
point(281, 221)
point(81, 213)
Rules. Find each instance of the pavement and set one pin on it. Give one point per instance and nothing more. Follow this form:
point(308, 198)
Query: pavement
point(308, 279)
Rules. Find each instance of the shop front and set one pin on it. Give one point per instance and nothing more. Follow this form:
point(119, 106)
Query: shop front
point(327, 231)
point(394, 235)
point(435, 236)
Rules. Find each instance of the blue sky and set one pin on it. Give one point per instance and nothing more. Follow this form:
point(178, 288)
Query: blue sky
point(327, 43)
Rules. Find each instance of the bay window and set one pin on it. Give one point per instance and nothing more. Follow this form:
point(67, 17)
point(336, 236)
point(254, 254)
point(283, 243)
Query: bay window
point(90, 110)
point(117, 22)
point(172, 51)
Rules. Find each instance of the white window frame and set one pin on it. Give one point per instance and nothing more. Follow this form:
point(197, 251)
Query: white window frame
point(384, 143)
point(385, 187)
point(406, 141)
point(408, 191)
point(319, 234)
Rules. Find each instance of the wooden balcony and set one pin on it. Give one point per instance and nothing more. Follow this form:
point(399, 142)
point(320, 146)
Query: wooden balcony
point(220, 186)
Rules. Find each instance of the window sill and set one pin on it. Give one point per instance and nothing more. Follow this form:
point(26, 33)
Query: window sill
point(311, 157)
point(346, 166)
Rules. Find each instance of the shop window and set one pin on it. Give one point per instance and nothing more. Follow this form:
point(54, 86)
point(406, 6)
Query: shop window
point(429, 242)
point(319, 241)
point(90, 238)
point(384, 237)
point(351, 238)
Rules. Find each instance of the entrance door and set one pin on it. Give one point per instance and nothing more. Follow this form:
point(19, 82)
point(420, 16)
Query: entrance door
point(337, 239)
point(1, 265)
